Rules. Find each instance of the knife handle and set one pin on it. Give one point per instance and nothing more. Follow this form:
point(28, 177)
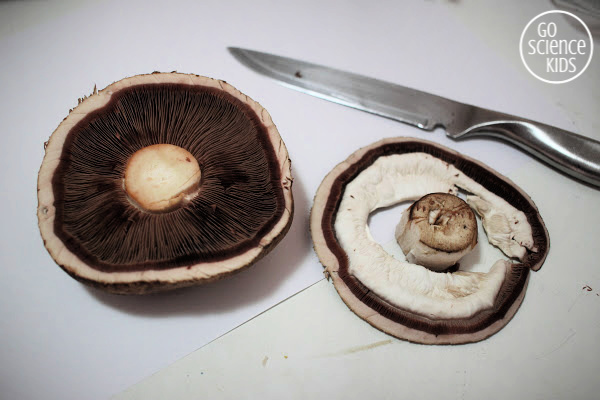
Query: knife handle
point(573, 154)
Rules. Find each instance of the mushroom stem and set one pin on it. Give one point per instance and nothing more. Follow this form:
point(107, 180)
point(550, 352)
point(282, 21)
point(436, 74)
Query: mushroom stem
point(159, 177)
point(437, 231)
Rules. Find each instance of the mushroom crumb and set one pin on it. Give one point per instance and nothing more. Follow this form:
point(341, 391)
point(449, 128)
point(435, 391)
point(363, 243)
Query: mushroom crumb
point(163, 181)
point(405, 299)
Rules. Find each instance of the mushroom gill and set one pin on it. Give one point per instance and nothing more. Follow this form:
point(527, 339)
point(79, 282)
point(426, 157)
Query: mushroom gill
point(404, 299)
point(161, 181)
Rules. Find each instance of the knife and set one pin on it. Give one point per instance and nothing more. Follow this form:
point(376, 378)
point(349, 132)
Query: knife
point(576, 155)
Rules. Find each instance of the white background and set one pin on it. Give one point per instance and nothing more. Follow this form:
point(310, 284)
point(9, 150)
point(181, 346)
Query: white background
point(62, 340)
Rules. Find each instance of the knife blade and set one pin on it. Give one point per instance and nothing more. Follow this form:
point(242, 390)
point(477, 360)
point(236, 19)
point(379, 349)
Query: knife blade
point(573, 154)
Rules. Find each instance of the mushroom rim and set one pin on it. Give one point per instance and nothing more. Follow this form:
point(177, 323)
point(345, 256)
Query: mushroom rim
point(393, 319)
point(194, 273)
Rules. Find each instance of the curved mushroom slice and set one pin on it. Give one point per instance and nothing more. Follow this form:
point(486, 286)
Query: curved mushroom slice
point(408, 300)
point(161, 181)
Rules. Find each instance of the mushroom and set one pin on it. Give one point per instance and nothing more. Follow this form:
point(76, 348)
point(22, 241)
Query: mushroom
point(162, 181)
point(407, 300)
point(437, 230)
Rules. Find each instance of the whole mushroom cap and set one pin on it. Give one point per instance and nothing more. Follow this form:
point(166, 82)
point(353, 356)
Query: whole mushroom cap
point(162, 181)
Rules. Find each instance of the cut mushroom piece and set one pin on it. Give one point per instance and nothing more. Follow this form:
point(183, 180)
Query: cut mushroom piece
point(162, 181)
point(437, 230)
point(407, 300)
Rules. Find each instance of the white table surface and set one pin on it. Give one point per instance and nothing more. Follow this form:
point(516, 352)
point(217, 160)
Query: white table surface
point(64, 341)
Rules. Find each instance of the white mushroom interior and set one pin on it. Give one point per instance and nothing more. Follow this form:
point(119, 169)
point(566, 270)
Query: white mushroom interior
point(401, 177)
